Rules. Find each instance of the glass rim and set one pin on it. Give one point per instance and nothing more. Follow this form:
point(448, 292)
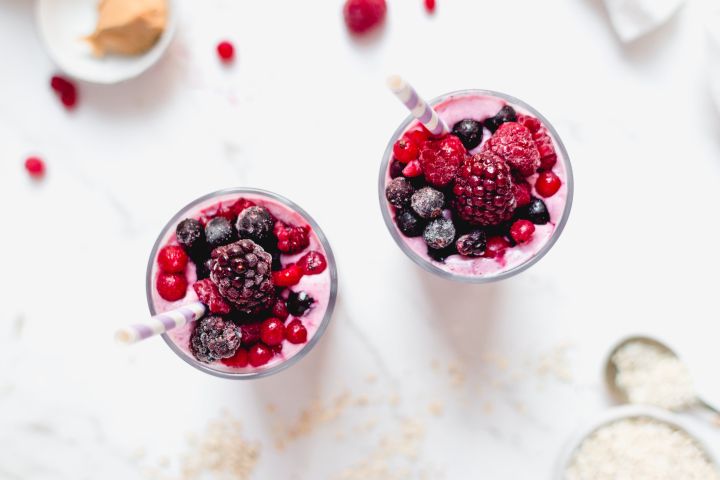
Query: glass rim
point(428, 265)
point(328, 311)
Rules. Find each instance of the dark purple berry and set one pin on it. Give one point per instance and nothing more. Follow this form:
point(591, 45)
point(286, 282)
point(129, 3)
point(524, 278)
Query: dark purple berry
point(409, 224)
point(472, 244)
point(298, 303)
point(469, 131)
point(428, 202)
point(190, 235)
point(218, 232)
point(506, 114)
point(214, 338)
point(255, 223)
point(399, 191)
point(396, 168)
point(536, 212)
point(439, 233)
point(441, 254)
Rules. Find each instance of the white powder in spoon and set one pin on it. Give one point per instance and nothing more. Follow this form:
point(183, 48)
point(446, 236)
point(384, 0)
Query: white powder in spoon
point(652, 375)
point(640, 448)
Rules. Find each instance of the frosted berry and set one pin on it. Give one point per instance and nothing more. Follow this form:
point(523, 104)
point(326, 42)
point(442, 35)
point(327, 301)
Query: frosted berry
point(291, 239)
point(469, 131)
point(428, 202)
point(496, 247)
point(190, 234)
point(250, 334)
point(537, 212)
point(288, 276)
point(35, 167)
point(214, 339)
point(172, 259)
point(405, 150)
point(209, 295)
point(296, 332)
point(522, 231)
point(409, 223)
point(299, 302)
point(362, 16)
point(506, 114)
point(219, 231)
point(239, 360)
point(543, 142)
point(398, 192)
point(514, 143)
point(259, 354)
point(226, 51)
point(522, 193)
point(412, 169)
point(171, 286)
point(439, 233)
point(312, 263)
point(484, 190)
point(441, 159)
point(547, 184)
point(255, 223)
point(272, 332)
point(472, 244)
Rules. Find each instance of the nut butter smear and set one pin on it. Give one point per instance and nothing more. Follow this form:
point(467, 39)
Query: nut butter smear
point(128, 27)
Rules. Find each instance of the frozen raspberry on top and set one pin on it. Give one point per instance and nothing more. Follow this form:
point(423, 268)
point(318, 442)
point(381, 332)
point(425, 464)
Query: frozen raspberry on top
point(440, 160)
point(208, 294)
point(291, 239)
point(543, 142)
point(522, 191)
point(362, 15)
point(514, 143)
point(313, 263)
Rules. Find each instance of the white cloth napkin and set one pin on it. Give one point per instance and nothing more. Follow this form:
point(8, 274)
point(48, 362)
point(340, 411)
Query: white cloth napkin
point(634, 18)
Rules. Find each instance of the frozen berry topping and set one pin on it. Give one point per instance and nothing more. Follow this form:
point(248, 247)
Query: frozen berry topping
point(484, 190)
point(506, 114)
point(288, 276)
point(439, 233)
point(440, 160)
point(209, 294)
point(171, 286)
point(214, 338)
point(405, 150)
point(399, 191)
point(172, 259)
point(522, 192)
point(279, 309)
point(291, 239)
point(409, 223)
point(496, 247)
point(299, 302)
point(190, 234)
point(514, 143)
point(259, 354)
point(362, 16)
point(522, 231)
point(537, 212)
point(239, 360)
point(469, 131)
point(543, 142)
point(255, 223)
point(547, 184)
point(413, 169)
point(296, 332)
point(218, 232)
point(428, 202)
point(312, 263)
point(272, 331)
point(472, 244)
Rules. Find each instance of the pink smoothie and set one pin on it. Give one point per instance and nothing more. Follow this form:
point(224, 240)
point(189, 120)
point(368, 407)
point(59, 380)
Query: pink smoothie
point(317, 286)
point(480, 107)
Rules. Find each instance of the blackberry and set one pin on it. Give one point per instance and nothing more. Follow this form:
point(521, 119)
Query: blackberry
point(439, 233)
point(298, 303)
point(399, 191)
point(214, 338)
point(409, 224)
point(428, 202)
point(469, 131)
point(536, 212)
point(242, 273)
point(218, 232)
point(506, 114)
point(484, 190)
point(255, 223)
point(190, 235)
point(472, 244)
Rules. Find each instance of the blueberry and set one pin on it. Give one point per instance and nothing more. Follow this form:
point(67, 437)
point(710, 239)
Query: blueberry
point(428, 202)
point(399, 191)
point(439, 233)
point(469, 131)
point(472, 244)
point(441, 254)
point(298, 303)
point(218, 232)
point(190, 235)
point(396, 168)
point(537, 212)
point(255, 223)
point(409, 223)
point(506, 114)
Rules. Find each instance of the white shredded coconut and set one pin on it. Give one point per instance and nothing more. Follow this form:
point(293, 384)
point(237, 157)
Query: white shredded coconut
point(651, 375)
point(640, 449)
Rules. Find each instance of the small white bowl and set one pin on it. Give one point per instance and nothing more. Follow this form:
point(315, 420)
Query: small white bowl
point(62, 24)
point(620, 413)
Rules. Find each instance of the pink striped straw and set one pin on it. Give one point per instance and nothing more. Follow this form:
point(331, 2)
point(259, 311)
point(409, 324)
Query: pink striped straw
point(417, 106)
point(161, 323)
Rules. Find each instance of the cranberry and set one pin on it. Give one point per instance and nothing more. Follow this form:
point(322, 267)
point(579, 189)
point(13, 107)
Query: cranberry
point(522, 231)
point(35, 167)
point(496, 247)
point(296, 332)
point(65, 89)
point(171, 286)
point(430, 6)
point(405, 150)
point(547, 184)
point(288, 277)
point(226, 51)
point(412, 169)
point(272, 331)
point(259, 354)
point(362, 15)
point(239, 360)
point(313, 263)
point(279, 309)
point(172, 259)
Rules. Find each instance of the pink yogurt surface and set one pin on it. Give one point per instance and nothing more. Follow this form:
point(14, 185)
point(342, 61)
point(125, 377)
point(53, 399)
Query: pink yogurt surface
point(317, 286)
point(480, 107)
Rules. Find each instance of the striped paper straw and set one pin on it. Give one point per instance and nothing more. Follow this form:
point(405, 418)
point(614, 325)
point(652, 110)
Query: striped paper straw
point(417, 106)
point(161, 323)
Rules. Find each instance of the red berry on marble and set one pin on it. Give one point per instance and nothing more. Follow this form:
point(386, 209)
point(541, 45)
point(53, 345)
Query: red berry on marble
point(226, 51)
point(522, 231)
point(171, 286)
point(172, 259)
point(35, 167)
point(239, 360)
point(430, 6)
point(405, 150)
point(412, 169)
point(259, 354)
point(296, 332)
point(272, 331)
point(362, 15)
point(547, 184)
point(313, 263)
point(65, 89)
point(496, 247)
point(279, 309)
point(288, 276)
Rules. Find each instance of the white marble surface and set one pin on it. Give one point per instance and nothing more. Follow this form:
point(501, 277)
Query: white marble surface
point(305, 112)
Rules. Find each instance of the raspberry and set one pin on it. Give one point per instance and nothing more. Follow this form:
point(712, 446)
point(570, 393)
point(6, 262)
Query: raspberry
point(428, 202)
point(208, 294)
point(362, 15)
point(440, 160)
point(418, 135)
point(398, 192)
point(484, 190)
point(172, 259)
point(312, 263)
point(65, 89)
point(171, 286)
point(542, 140)
point(279, 309)
point(472, 244)
point(298, 303)
point(214, 338)
point(291, 239)
point(272, 332)
point(547, 184)
point(296, 332)
point(288, 277)
point(255, 223)
point(430, 6)
point(412, 169)
point(35, 167)
point(405, 150)
point(531, 123)
point(226, 51)
point(514, 143)
point(259, 355)
point(496, 247)
point(522, 191)
point(241, 272)
point(250, 334)
point(522, 231)
point(240, 205)
point(239, 360)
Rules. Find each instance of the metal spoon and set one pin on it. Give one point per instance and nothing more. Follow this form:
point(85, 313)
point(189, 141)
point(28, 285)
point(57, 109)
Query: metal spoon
point(611, 370)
